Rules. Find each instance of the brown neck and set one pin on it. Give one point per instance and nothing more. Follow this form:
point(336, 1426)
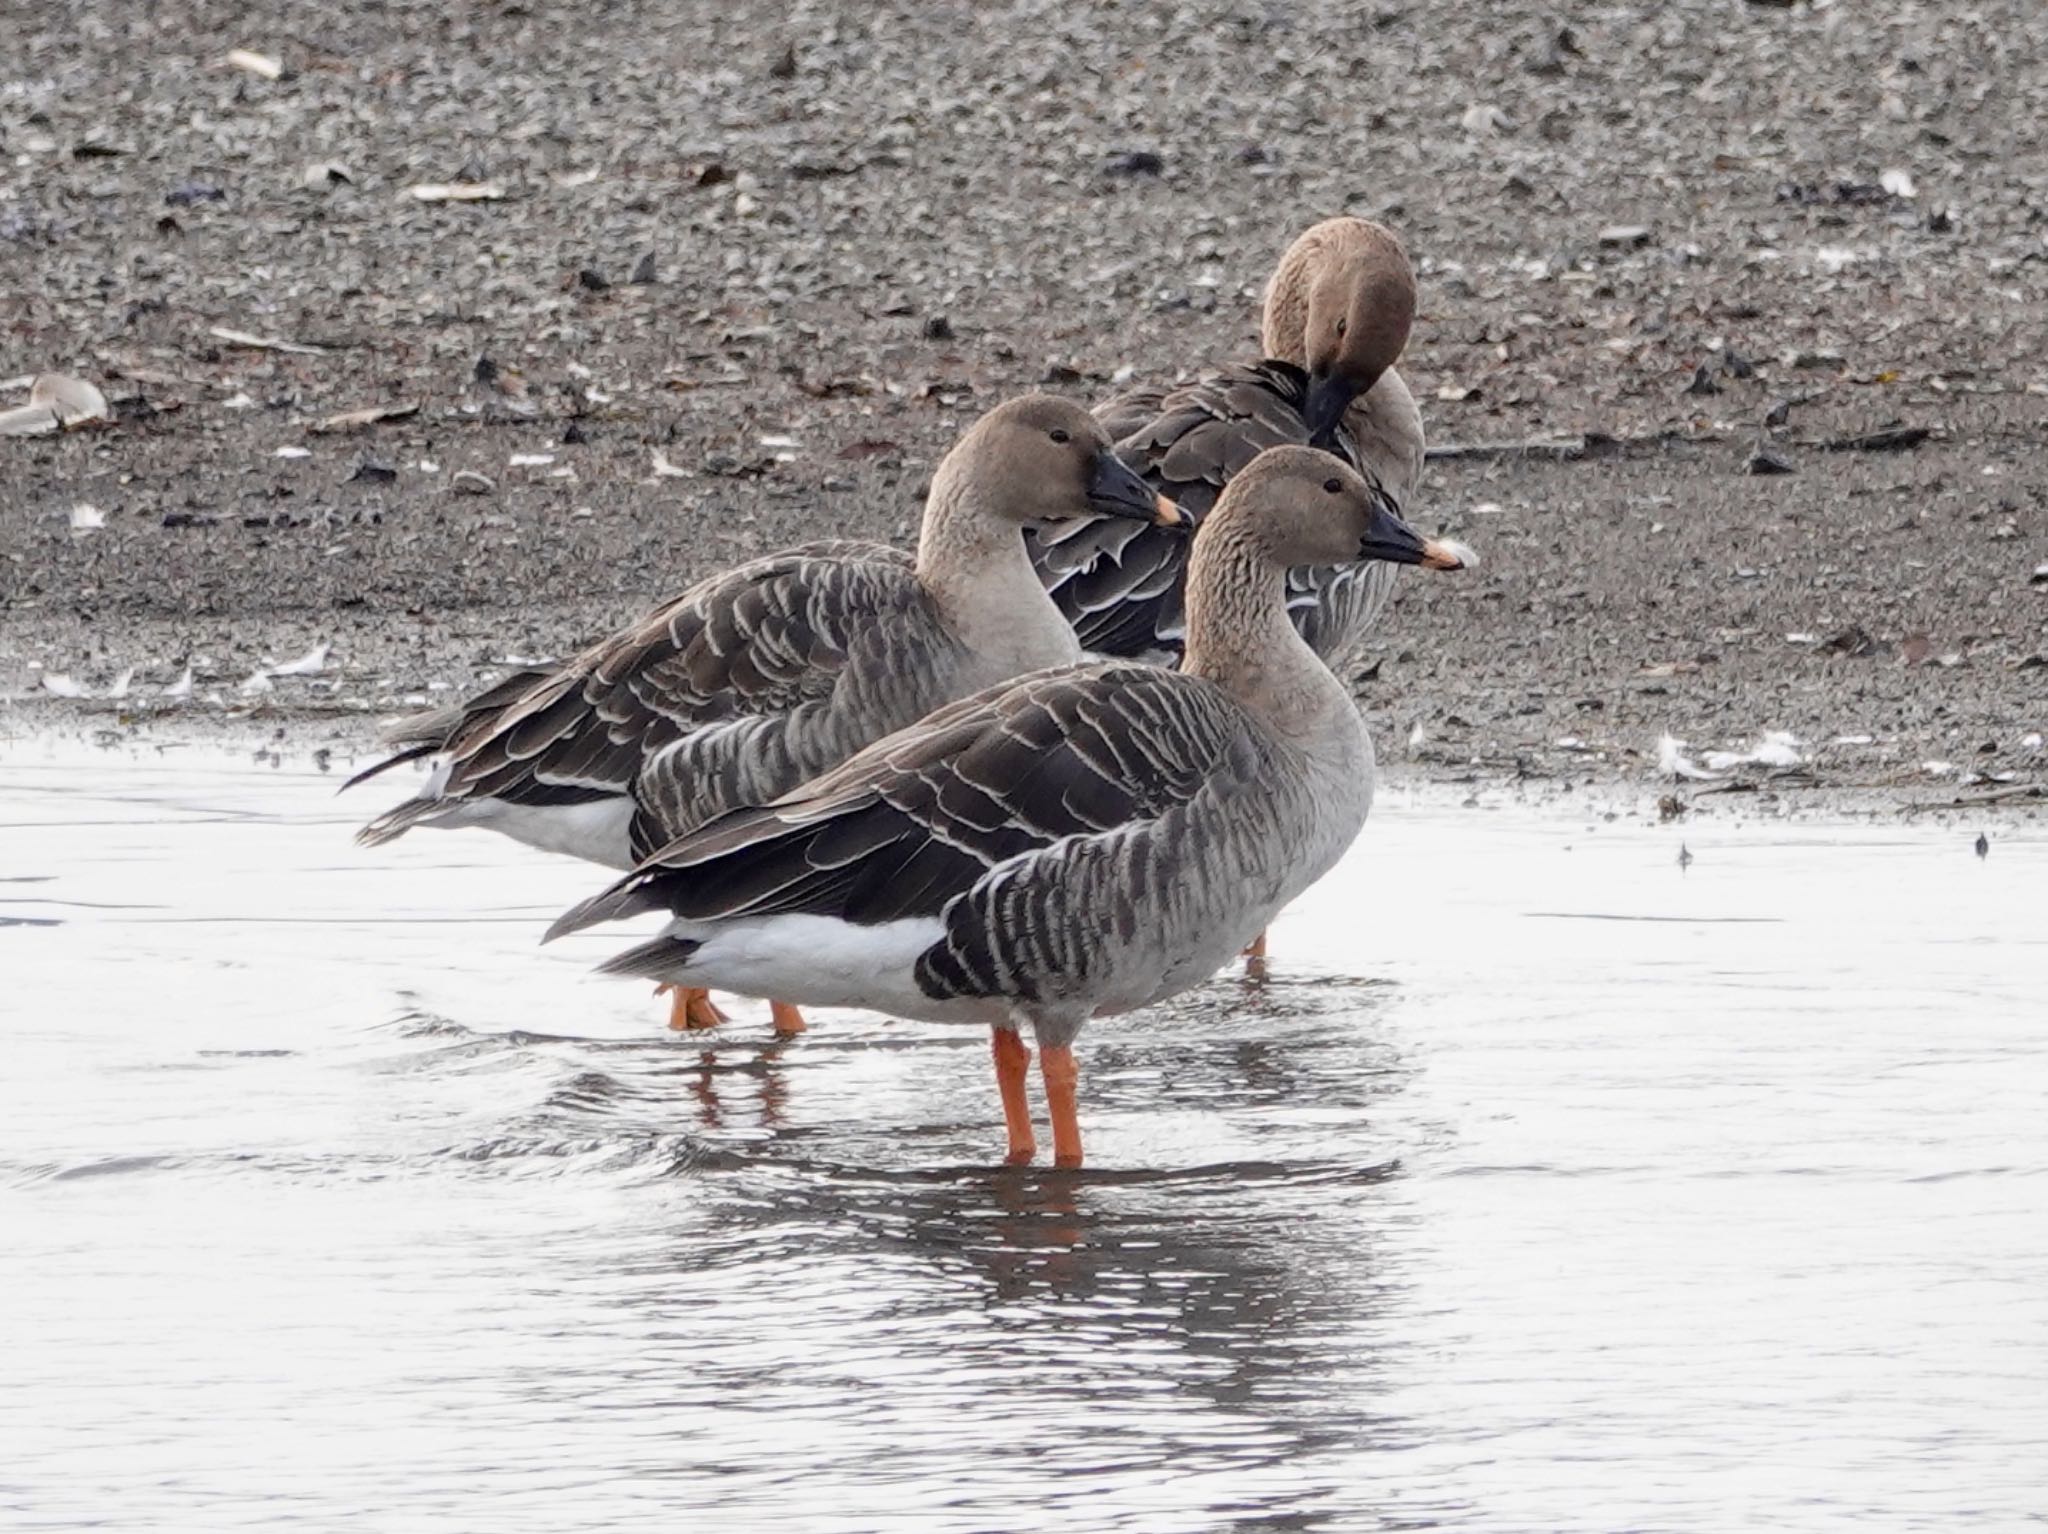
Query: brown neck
point(974, 564)
point(1239, 636)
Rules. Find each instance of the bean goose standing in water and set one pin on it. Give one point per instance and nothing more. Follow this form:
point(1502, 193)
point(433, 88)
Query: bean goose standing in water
point(1078, 842)
point(755, 680)
point(1337, 313)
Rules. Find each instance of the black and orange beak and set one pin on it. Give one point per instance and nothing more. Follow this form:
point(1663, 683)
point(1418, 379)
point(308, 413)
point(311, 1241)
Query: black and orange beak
point(1390, 538)
point(1115, 490)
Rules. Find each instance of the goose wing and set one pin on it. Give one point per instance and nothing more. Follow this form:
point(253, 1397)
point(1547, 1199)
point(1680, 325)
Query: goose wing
point(755, 642)
point(995, 799)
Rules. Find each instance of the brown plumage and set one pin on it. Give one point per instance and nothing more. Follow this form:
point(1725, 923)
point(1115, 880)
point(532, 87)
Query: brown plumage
point(1337, 314)
point(760, 678)
point(1072, 843)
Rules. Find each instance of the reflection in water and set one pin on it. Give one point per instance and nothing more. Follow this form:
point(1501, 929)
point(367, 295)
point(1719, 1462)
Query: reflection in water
point(1216, 1325)
point(334, 1201)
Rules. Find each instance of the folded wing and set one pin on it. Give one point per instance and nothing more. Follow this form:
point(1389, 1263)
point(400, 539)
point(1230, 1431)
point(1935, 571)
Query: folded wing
point(1065, 768)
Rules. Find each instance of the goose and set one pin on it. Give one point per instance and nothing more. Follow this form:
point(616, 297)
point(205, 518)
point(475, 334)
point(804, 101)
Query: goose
point(1070, 844)
point(759, 678)
point(1338, 309)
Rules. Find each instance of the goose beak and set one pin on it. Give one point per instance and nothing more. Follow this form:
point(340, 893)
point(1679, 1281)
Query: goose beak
point(1393, 540)
point(1114, 490)
point(1323, 411)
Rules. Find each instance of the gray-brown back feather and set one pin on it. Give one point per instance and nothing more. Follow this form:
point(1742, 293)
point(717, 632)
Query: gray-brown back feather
point(1048, 822)
point(733, 692)
point(1120, 583)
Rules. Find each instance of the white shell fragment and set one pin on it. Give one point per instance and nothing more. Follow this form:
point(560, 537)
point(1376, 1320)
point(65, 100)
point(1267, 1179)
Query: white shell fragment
point(261, 65)
point(264, 343)
point(325, 175)
point(350, 420)
point(455, 191)
point(312, 663)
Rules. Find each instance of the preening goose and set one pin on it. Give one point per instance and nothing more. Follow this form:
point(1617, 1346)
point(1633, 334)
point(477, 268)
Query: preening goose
point(1078, 842)
point(1337, 313)
point(755, 680)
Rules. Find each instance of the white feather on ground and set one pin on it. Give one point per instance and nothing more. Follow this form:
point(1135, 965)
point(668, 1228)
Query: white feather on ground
point(1773, 748)
point(1674, 763)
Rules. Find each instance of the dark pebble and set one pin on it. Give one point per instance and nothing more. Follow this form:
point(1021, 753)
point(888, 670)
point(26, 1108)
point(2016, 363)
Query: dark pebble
point(1134, 162)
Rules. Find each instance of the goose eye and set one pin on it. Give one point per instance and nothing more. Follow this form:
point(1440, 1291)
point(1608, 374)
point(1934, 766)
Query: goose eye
point(1333, 485)
point(1059, 434)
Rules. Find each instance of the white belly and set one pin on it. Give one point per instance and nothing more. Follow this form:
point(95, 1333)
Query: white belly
point(820, 961)
point(597, 831)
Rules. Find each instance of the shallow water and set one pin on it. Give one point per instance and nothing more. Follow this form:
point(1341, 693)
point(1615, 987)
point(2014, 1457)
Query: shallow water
point(1544, 1186)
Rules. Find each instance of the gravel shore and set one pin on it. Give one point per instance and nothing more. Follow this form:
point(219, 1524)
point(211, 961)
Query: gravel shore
point(744, 274)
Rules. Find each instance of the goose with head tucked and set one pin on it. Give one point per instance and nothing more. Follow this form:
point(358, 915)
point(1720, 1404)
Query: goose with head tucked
point(1075, 843)
point(762, 677)
point(1337, 313)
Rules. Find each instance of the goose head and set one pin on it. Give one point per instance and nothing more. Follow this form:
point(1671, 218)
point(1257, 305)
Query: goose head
point(1040, 460)
point(1339, 307)
point(1305, 507)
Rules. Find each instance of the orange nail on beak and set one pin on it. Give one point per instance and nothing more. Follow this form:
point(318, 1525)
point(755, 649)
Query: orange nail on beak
point(1447, 554)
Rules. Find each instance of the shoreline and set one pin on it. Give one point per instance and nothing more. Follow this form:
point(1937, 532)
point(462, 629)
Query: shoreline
point(342, 741)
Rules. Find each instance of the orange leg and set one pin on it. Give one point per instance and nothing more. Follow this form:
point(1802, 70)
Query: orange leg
point(787, 1018)
point(1013, 1060)
point(1255, 957)
point(689, 1008)
point(1062, 1077)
